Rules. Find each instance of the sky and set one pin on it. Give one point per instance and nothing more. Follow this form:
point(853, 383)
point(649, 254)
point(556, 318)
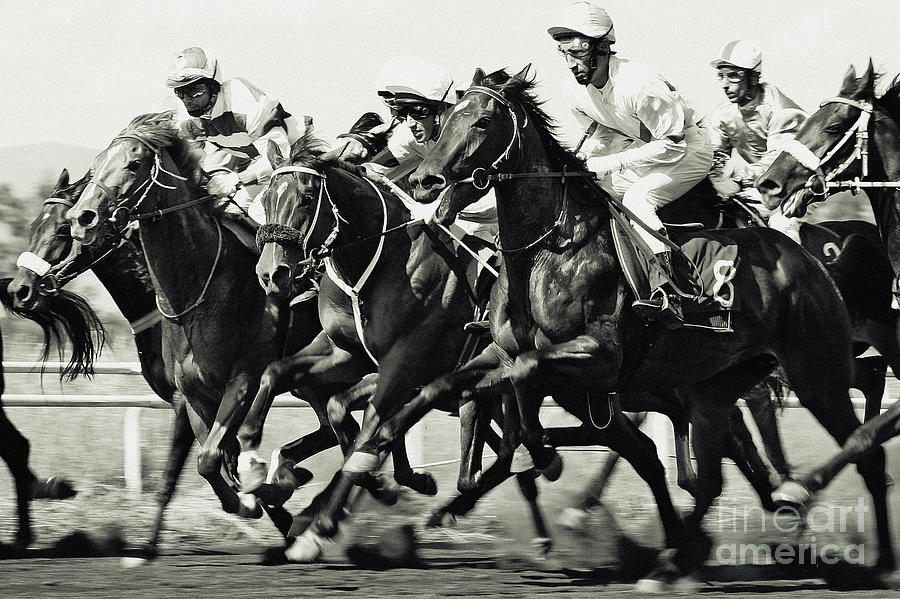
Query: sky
point(78, 72)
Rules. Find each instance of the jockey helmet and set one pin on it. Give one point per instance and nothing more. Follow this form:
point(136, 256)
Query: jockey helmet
point(740, 54)
point(409, 79)
point(193, 64)
point(583, 17)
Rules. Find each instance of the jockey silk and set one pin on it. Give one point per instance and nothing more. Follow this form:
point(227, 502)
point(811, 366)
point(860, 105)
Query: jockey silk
point(757, 131)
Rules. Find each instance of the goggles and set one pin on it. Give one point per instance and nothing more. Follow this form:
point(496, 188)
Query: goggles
point(416, 111)
point(194, 90)
point(578, 49)
point(731, 76)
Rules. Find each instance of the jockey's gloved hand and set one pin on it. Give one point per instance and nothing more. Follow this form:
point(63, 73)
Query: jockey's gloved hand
point(752, 197)
point(604, 165)
point(223, 184)
point(353, 150)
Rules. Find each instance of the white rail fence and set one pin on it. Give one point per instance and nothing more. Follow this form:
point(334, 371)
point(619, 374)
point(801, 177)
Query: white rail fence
point(660, 429)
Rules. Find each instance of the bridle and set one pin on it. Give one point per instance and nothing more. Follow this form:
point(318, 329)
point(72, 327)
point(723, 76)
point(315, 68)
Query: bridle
point(123, 214)
point(819, 183)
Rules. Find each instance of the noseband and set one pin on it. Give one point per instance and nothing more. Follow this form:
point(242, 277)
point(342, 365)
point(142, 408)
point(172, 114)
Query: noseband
point(819, 183)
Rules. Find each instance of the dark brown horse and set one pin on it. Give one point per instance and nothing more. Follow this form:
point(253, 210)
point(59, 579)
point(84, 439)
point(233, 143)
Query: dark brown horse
point(852, 141)
point(389, 299)
point(118, 262)
point(66, 319)
point(566, 301)
point(220, 331)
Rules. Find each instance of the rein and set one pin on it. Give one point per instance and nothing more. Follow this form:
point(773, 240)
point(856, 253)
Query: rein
point(819, 184)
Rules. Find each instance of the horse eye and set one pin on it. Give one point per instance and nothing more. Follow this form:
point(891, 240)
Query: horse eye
point(833, 129)
point(307, 197)
point(483, 122)
point(134, 166)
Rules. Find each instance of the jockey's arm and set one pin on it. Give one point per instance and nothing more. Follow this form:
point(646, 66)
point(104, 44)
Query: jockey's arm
point(719, 176)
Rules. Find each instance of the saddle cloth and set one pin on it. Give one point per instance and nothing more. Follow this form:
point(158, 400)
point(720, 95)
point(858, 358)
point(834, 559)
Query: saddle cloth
point(704, 269)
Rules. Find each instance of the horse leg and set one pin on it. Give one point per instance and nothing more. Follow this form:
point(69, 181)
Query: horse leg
point(821, 387)
point(182, 440)
point(868, 376)
point(574, 517)
point(759, 402)
point(685, 473)
point(14, 449)
point(741, 449)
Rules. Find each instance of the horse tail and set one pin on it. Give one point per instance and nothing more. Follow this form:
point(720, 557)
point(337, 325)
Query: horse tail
point(67, 317)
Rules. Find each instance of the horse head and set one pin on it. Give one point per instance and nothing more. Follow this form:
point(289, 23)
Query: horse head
point(300, 219)
point(481, 136)
point(131, 176)
point(50, 248)
point(828, 147)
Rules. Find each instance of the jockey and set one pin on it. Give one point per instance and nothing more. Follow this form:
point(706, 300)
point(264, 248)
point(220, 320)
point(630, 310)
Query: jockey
point(417, 94)
point(235, 120)
point(646, 150)
point(756, 122)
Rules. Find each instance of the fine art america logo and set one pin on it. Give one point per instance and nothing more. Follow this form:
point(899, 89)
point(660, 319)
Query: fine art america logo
point(820, 519)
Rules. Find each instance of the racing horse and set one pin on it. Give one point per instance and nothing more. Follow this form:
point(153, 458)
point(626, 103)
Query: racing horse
point(832, 150)
point(66, 318)
point(388, 299)
point(571, 332)
point(219, 330)
point(52, 260)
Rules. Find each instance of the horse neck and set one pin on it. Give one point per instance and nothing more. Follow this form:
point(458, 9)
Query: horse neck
point(529, 207)
point(124, 275)
point(364, 215)
point(886, 167)
point(180, 248)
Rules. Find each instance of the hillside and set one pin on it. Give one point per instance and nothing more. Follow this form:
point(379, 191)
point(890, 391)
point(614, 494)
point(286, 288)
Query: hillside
point(26, 167)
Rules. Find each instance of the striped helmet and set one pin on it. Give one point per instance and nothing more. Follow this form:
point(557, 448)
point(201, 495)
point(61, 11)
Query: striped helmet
point(193, 64)
point(585, 18)
point(740, 54)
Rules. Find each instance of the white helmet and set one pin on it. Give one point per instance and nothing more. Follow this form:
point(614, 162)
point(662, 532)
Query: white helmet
point(586, 18)
point(740, 54)
point(193, 64)
point(413, 77)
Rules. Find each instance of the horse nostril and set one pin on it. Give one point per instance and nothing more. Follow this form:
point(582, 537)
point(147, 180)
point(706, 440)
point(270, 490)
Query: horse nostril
point(281, 277)
point(87, 218)
point(23, 293)
point(432, 182)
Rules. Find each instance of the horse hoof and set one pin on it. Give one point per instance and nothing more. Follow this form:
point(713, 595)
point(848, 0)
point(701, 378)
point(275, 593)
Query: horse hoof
point(248, 507)
point(252, 473)
point(792, 494)
point(420, 482)
point(54, 487)
point(396, 548)
point(553, 470)
point(129, 562)
point(651, 586)
point(306, 549)
point(572, 518)
point(441, 519)
point(543, 546)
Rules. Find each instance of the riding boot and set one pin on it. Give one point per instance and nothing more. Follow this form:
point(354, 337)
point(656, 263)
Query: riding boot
point(663, 305)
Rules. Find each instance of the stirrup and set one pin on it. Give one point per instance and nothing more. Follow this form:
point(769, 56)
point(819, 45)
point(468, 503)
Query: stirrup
point(661, 308)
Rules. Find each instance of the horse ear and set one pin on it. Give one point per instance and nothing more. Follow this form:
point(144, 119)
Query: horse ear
point(478, 77)
point(273, 152)
point(866, 85)
point(63, 180)
point(523, 74)
point(849, 84)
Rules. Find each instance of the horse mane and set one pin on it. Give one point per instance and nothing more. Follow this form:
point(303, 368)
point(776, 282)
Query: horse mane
point(311, 151)
point(521, 91)
point(160, 130)
point(890, 99)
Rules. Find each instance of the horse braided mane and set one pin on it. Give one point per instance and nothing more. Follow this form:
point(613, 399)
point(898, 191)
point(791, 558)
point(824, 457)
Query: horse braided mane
point(160, 130)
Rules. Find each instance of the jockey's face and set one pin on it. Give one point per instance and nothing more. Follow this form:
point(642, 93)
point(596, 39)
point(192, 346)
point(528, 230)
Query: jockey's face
point(736, 83)
point(578, 52)
point(196, 97)
point(421, 118)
